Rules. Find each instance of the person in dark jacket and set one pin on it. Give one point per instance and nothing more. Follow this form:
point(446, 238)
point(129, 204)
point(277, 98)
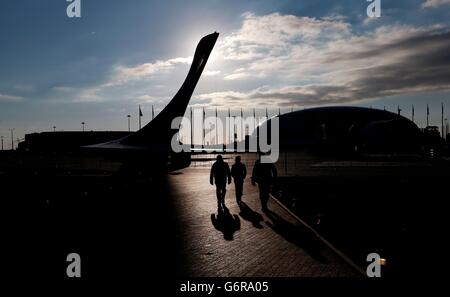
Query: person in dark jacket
point(220, 174)
point(238, 172)
point(264, 175)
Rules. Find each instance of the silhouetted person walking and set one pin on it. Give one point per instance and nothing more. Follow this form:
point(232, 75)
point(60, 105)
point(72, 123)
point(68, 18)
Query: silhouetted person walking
point(220, 174)
point(238, 172)
point(264, 174)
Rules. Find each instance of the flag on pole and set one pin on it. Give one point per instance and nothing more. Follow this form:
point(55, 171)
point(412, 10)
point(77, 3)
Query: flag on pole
point(442, 120)
point(153, 113)
point(413, 112)
point(140, 115)
point(203, 121)
point(428, 113)
point(216, 116)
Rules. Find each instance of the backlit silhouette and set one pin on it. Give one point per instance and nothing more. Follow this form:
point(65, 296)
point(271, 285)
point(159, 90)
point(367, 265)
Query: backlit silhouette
point(264, 175)
point(220, 175)
point(238, 172)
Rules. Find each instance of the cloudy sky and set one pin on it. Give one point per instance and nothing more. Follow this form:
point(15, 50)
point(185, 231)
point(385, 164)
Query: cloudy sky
point(58, 71)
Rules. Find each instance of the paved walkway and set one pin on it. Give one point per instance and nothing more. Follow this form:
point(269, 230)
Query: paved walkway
point(245, 243)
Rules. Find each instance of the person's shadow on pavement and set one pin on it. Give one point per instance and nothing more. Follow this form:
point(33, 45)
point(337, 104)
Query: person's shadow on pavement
point(249, 214)
point(226, 223)
point(298, 235)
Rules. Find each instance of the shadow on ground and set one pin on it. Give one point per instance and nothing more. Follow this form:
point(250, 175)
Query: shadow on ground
point(298, 235)
point(226, 223)
point(250, 215)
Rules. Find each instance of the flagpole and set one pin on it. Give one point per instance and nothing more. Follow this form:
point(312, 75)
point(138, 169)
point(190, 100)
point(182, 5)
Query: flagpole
point(442, 120)
point(217, 138)
point(242, 125)
point(428, 115)
point(203, 127)
point(153, 113)
point(413, 113)
point(229, 126)
point(254, 118)
point(192, 131)
point(224, 135)
point(210, 137)
point(256, 127)
point(140, 115)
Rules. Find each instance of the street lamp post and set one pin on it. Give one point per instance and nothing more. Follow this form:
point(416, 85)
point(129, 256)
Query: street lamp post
point(54, 128)
point(129, 116)
point(2, 143)
point(82, 124)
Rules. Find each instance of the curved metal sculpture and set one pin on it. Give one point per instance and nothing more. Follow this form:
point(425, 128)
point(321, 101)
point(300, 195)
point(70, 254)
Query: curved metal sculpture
point(157, 134)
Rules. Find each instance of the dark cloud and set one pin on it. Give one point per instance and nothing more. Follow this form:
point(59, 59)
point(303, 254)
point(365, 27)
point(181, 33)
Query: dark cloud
point(390, 61)
point(425, 67)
